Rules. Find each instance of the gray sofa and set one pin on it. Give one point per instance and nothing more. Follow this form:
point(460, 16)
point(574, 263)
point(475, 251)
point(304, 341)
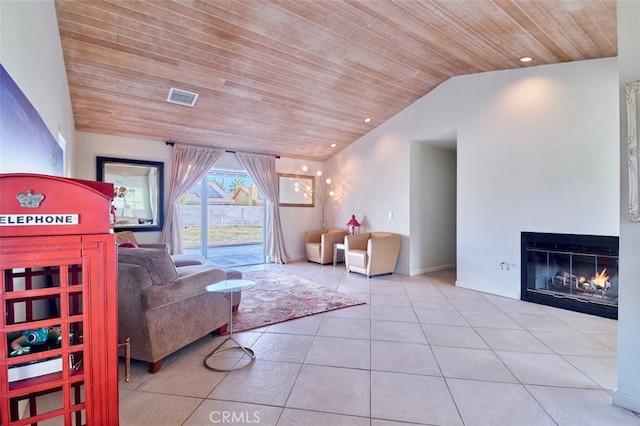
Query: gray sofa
point(163, 308)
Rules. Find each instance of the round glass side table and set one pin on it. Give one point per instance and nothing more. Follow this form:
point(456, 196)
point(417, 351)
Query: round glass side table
point(230, 287)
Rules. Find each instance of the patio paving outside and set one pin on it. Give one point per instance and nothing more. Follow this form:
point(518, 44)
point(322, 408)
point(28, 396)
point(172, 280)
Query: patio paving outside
point(233, 255)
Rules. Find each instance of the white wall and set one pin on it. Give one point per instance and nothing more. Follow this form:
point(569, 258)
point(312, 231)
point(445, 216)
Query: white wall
point(528, 140)
point(31, 52)
point(538, 151)
point(373, 174)
point(627, 393)
point(433, 208)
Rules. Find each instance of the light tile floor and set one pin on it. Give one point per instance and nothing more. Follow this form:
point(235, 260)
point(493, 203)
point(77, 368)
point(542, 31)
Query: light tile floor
point(421, 351)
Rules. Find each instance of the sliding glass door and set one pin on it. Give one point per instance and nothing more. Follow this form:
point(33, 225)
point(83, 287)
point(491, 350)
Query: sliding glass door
point(222, 218)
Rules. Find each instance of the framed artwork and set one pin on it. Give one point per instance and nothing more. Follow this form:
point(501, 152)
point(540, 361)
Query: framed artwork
point(632, 95)
point(26, 143)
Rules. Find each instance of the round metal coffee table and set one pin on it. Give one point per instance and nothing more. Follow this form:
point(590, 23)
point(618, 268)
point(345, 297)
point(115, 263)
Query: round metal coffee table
point(230, 287)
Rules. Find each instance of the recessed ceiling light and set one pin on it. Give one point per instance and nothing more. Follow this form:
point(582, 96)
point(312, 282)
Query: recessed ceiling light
point(526, 59)
point(367, 120)
point(333, 145)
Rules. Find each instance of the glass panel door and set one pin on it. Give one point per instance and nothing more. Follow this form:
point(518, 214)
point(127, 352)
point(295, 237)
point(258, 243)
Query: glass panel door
point(222, 218)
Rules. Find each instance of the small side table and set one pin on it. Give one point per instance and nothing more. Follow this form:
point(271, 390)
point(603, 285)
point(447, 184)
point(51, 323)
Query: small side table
point(230, 287)
point(336, 247)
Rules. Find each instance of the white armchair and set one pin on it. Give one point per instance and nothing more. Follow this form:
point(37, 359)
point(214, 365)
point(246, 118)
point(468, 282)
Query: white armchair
point(319, 244)
point(372, 253)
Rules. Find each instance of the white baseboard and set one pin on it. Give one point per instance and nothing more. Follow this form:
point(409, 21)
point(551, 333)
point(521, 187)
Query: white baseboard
point(484, 290)
point(630, 402)
point(433, 269)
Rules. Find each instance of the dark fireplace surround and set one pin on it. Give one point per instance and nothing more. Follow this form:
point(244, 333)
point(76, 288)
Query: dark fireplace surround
point(569, 271)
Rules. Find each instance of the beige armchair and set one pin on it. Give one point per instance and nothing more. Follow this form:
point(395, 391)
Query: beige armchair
point(372, 253)
point(319, 245)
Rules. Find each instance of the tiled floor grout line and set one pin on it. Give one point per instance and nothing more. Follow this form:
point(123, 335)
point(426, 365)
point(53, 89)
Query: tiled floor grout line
point(523, 385)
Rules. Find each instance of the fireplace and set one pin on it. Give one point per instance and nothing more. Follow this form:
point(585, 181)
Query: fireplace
point(575, 272)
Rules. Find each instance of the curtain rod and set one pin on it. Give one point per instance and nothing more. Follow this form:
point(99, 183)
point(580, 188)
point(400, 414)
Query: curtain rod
point(172, 143)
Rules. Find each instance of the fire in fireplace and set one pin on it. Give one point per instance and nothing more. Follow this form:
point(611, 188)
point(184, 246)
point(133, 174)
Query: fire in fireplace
point(576, 272)
point(595, 286)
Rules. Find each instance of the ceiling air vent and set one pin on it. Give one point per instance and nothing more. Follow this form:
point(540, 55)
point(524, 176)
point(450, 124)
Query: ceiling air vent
point(182, 97)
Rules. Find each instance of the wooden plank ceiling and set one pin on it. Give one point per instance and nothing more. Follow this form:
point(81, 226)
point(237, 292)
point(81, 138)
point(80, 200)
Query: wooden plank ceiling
point(292, 77)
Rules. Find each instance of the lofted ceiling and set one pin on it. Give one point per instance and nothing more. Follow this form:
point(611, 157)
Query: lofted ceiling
point(292, 77)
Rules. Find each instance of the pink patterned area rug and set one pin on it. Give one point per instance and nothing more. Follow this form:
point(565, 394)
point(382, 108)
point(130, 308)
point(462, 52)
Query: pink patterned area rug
point(279, 296)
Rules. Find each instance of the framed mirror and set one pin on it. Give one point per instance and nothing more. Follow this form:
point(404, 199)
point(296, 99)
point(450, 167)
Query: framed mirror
point(632, 95)
point(296, 190)
point(138, 192)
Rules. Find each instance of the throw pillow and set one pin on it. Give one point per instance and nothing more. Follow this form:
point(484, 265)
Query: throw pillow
point(125, 237)
point(128, 245)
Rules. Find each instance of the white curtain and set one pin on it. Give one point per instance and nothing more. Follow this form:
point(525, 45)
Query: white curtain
point(189, 165)
point(262, 170)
